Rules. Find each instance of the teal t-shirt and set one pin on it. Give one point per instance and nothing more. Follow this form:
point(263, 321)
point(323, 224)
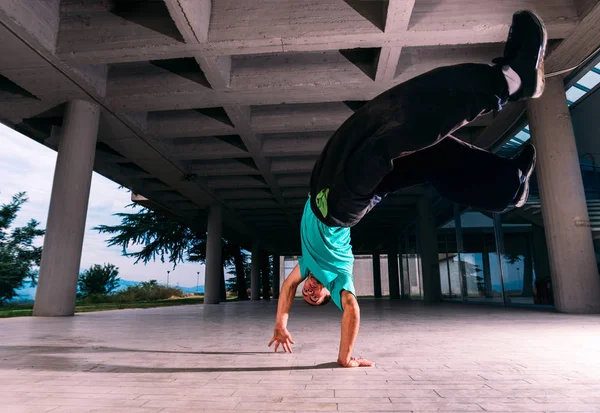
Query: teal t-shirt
point(327, 254)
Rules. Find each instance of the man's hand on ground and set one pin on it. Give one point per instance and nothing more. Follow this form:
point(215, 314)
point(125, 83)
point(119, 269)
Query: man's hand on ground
point(282, 337)
point(356, 362)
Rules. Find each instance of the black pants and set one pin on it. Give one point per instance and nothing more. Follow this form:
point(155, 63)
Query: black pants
point(402, 138)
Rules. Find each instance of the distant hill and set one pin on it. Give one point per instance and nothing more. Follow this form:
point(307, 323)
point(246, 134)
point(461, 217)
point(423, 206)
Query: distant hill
point(27, 293)
point(200, 289)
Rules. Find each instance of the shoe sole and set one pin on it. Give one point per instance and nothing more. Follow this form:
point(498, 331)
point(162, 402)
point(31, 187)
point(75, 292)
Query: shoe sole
point(525, 194)
point(540, 79)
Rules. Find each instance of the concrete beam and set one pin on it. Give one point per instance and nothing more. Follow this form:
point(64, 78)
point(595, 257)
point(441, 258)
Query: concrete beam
point(397, 19)
point(66, 82)
point(241, 118)
point(284, 81)
point(302, 180)
point(298, 144)
point(457, 15)
point(579, 44)
point(398, 15)
point(235, 182)
point(192, 18)
point(148, 26)
point(90, 51)
point(219, 167)
point(217, 70)
point(387, 64)
point(39, 18)
point(293, 165)
point(299, 117)
point(576, 47)
point(185, 123)
point(244, 193)
point(203, 148)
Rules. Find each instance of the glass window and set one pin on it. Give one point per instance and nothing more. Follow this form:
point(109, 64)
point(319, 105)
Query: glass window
point(590, 80)
point(385, 282)
point(415, 277)
point(448, 256)
point(525, 264)
point(573, 94)
point(405, 271)
point(478, 260)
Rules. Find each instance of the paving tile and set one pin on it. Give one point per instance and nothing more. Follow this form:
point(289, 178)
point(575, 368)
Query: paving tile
point(446, 358)
point(94, 409)
point(410, 406)
point(19, 408)
point(540, 407)
point(305, 407)
point(82, 402)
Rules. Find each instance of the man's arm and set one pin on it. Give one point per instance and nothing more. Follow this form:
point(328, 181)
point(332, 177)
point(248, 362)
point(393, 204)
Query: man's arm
point(350, 324)
point(286, 297)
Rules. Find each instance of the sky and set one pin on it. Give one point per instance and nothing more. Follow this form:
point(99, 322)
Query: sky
point(27, 166)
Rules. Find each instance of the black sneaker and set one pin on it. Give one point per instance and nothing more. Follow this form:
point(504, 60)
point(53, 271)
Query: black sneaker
point(524, 53)
point(525, 160)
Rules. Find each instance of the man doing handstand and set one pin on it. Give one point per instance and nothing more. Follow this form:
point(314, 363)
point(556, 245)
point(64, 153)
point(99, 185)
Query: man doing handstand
point(402, 138)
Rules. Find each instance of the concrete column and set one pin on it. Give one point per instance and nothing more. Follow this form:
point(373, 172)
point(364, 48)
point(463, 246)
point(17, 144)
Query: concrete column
point(255, 273)
point(61, 258)
point(377, 275)
point(393, 280)
point(430, 261)
point(276, 276)
point(214, 257)
point(570, 247)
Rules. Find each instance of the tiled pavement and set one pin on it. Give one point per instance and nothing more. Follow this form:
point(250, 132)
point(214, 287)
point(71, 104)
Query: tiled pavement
point(446, 358)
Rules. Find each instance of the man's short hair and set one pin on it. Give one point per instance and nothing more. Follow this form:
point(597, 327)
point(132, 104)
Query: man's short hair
point(326, 300)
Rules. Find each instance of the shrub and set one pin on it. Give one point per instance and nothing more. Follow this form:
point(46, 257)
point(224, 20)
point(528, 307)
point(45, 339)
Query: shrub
point(146, 291)
point(98, 280)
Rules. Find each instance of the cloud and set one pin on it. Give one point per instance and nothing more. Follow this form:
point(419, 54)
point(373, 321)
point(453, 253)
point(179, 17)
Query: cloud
point(26, 165)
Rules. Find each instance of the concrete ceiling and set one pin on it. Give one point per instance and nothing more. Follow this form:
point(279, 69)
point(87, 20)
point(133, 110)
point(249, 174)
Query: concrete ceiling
point(231, 102)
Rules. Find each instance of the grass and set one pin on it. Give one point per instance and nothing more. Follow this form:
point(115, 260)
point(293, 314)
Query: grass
point(27, 310)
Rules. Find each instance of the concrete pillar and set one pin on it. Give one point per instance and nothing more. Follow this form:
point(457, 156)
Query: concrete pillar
point(377, 275)
point(276, 276)
point(430, 261)
point(61, 258)
point(393, 269)
point(570, 247)
point(214, 257)
point(255, 273)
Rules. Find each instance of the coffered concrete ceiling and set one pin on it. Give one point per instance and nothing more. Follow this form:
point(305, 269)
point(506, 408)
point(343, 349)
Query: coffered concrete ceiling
point(231, 102)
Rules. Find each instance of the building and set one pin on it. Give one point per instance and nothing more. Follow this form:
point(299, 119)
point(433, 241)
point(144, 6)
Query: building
point(216, 112)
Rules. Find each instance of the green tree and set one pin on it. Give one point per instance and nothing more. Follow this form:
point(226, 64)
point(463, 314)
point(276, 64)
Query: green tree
point(160, 236)
point(18, 255)
point(165, 238)
point(98, 279)
point(242, 270)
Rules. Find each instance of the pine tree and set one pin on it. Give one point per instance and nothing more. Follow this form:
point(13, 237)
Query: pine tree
point(18, 255)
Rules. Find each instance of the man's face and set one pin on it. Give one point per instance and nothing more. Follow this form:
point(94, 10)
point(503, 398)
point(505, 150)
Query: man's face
point(314, 292)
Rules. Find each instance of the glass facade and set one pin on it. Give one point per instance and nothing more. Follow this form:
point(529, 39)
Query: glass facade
point(493, 258)
point(449, 261)
point(411, 268)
